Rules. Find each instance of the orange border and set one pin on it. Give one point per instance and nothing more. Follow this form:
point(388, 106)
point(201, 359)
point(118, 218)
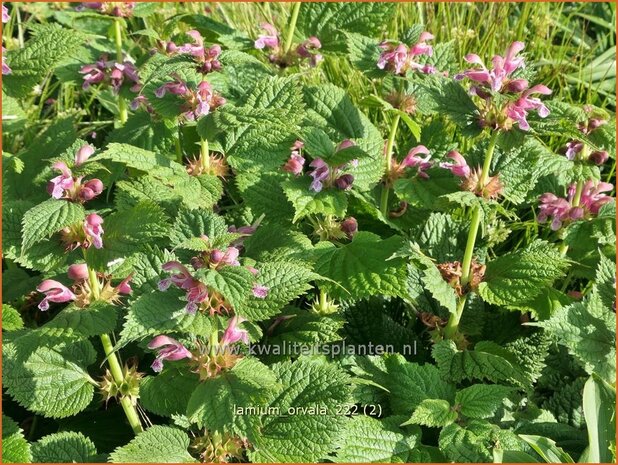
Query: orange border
point(615, 2)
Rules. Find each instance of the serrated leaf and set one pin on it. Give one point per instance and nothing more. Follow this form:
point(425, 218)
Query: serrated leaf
point(11, 318)
point(369, 440)
point(96, 319)
point(212, 404)
point(481, 400)
point(163, 444)
point(64, 447)
point(518, 277)
point(306, 202)
point(138, 158)
point(190, 224)
point(433, 412)
point(15, 448)
point(168, 392)
point(233, 282)
point(42, 53)
point(285, 282)
point(461, 445)
point(47, 218)
point(363, 267)
point(306, 436)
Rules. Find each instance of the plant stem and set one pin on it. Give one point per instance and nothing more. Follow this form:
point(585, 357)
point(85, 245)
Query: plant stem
point(564, 248)
point(290, 35)
point(204, 154)
point(122, 105)
point(453, 323)
point(214, 339)
point(113, 362)
point(389, 157)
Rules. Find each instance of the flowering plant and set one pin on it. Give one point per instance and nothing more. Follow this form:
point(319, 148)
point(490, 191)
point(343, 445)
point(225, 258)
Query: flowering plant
point(299, 240)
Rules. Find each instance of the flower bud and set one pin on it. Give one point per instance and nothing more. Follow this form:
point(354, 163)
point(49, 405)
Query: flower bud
point(78, 272)
point(344, 182)
point(599, 157)
point(83, 154)
point(347, 143)
point(349, 226)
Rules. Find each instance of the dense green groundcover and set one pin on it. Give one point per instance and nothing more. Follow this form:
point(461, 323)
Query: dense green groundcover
point(314, 232)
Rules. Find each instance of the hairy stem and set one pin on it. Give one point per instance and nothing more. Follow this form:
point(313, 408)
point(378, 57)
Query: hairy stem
point(389, 157)
point(291, 28)
point(453, 323)
point(204, 154)
point(113, 362)
point(122, 105)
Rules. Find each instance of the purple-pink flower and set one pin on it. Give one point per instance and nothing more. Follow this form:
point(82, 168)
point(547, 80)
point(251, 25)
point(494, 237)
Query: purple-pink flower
point(561, 210)
point(260, 291)
point(198, 102)
point(399, 58)
point(78, 272)
point(6, 69)
point(57, 186)
point(349, 227)
point(169, 349)
point(5, 14)
point(197, 292)
point(118, 9)
point(307, 49)
point(331, 176)
point(296, 162)
point(233, 333)
point(54, 292)
point(208, 58)
point(67, 186)
point(115, 73)
point(414, 160)
point(459, 167)
point(572, 148)
point(219, 258)
point(270, 40)
point(94, 230)
point(518, 110)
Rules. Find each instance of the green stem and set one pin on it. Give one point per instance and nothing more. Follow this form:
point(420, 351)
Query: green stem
point(290, 36)
point(122, 105)
point(453, 323)
point(214, 339)
point(113, 362)
point(204, 154)
point(389, 158)
point(323, 298)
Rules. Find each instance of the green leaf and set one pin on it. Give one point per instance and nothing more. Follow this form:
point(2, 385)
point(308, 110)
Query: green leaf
point(141, 130)
point(162, 313)
point(46, 381)
point(191, 224)
point(11, 318)
point(369, 440)
point(249, 384)
point(488, 361)
point(96, 319)
point(168, 392)
point(481, 400)
point(47, 218)
point(262, 192)
point(364, 54)
point(233, 282)
point(462, 445)
point(139, 159)
point(285, 281)
point(314, 391)
point(330, 201)
point(65, 447)
point(423, 193)
point(599, 398)
point(517, 277)
point(363, 267)
point(50, 45)
point(433, 412)
point(15, 448)
point(163, 444)
point(587, 329)
point(547, 449)
point(410, 384)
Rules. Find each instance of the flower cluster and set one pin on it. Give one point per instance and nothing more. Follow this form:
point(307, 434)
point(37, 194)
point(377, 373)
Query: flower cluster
point(412, 160)
point(296, 162)
point(399, 58)
point(85, 234)
point(111, 72)
point(197, 103)
point(565, 210)
point(118, 9)
point(306, 51)
point(500, 79)
point(81, 291)
point(70, 187)
point(206, 57)
point(169, 349)
point(489, 188)
point(5, 19)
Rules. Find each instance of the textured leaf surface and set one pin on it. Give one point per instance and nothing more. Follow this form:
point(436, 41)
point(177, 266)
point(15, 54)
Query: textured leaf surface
point(433, 412)
point(15, 448)
point(43, 220)
point(65, 447)
point(158, 444)
point(481, 400)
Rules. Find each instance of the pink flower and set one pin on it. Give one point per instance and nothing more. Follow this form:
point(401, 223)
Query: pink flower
point(197, 292)
point(345, 144)
point(83, 153)
point(599, 157)
point(573, 148)
point(518, 110)
point(5, 14)
point(169, 349)
point(113, 72)
point(296, 162)
point(54, 292)
point(344, 182)
point(260, 291)
point(6, 69)
point(268, 40)
point(319, 174)
point(229, 257)
point(57, 186)
point(307, 50)
point(78, 272)
point(398, 58)
point(124, 287)
point(503, 67)
point(175, 88)
point(233, 333)
point(207, 57)
point(119, 9)
point(460, 167)
point(90, 189)
point(412, 160)
point(349, 226)
point(94, 230)
point(592, 198)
